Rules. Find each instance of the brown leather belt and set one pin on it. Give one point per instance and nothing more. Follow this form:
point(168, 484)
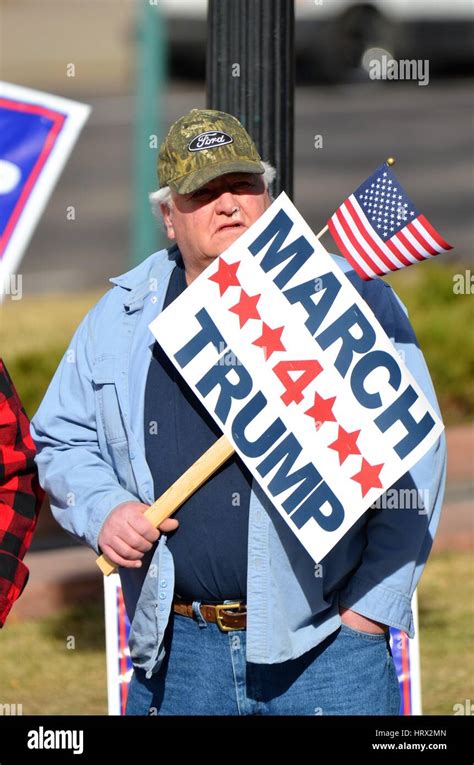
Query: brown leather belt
point(227, 616)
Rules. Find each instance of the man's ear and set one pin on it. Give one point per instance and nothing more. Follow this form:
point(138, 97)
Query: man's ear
point(166, 213)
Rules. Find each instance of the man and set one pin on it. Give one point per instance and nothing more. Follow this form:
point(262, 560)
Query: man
point(20, 494)
point(229, 614)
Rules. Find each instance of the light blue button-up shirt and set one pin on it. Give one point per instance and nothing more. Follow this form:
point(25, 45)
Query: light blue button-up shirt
point(91, 457)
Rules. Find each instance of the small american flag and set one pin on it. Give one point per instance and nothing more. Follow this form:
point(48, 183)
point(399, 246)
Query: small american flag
point(379, 229)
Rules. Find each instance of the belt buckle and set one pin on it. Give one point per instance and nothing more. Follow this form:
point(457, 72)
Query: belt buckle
point(219, 616)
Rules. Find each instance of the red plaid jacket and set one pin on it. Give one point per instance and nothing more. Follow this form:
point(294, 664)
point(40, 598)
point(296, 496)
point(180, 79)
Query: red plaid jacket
point(20, 493)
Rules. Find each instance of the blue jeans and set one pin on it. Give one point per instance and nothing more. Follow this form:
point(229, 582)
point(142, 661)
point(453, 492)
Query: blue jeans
point(205, 673)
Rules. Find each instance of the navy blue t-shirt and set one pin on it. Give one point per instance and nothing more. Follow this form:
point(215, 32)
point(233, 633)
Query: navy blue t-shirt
point(210, 545)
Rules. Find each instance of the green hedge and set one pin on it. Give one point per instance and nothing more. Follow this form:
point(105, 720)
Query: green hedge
point(444, 324)
point(32, 373)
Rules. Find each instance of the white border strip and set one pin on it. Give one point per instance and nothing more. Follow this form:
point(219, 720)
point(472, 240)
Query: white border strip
point(111, 589)
point(414, 653)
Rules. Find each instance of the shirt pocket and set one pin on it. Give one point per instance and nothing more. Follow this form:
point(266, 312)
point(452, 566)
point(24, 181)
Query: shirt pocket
point(107, 401)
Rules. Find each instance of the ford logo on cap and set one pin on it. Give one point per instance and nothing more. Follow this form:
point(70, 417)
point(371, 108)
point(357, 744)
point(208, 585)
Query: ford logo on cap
point(211, 139)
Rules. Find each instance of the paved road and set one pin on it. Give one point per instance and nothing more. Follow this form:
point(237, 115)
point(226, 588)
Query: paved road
point(428, 129)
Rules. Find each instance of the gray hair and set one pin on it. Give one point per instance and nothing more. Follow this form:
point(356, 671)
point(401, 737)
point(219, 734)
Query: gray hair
point(163, 196)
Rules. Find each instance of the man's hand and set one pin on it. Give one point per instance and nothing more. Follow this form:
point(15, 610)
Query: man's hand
point(359, 622)
point(127, 535)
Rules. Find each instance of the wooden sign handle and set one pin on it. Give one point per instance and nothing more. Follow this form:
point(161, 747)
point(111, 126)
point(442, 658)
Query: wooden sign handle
point(181, 490)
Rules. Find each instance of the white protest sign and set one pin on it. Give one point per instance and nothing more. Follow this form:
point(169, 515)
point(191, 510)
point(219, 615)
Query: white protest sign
point(294, 367)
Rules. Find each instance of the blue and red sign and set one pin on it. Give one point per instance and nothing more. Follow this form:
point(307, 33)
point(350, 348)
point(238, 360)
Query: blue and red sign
point(27, 136)
point(37, 134)
point(296, 370)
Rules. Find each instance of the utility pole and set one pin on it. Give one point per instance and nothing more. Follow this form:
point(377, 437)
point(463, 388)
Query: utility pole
point(250, 74)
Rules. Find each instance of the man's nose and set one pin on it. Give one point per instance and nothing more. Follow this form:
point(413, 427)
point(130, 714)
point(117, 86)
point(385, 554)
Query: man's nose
point(226, 203)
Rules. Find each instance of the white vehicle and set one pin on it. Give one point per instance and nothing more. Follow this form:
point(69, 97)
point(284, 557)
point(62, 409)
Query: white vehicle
point(332, 35)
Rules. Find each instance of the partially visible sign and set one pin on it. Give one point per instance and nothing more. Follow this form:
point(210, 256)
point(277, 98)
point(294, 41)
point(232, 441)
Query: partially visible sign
point(119, 665)
point(406, 655)
point(37, 133)
point(117, 629)
point(297, 371)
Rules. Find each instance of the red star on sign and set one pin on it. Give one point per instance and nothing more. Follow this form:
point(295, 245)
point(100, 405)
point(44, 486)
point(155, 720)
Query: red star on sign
point(246, 308)
point(270, 340)
point(368, 477)
point(321, 410)
point(345, 444)
point(226, 276)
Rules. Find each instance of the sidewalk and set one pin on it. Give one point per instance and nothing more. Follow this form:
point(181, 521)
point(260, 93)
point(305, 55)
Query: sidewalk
point(68, 576)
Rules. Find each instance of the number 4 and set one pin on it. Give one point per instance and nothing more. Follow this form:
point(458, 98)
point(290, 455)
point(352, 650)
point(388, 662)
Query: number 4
point(294, 386)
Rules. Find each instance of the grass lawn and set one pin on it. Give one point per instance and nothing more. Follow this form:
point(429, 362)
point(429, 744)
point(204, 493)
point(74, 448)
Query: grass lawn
point(446, 610)
point(47, 677)
point(56, 665)
point(443, 321)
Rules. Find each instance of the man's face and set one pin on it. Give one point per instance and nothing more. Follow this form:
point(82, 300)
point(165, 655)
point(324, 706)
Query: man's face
point(207, 221)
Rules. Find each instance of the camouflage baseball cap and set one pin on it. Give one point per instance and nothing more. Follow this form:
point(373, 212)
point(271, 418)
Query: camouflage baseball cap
point(203, 145)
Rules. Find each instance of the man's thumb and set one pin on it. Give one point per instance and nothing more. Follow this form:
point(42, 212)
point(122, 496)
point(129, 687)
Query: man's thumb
point(169, 525)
